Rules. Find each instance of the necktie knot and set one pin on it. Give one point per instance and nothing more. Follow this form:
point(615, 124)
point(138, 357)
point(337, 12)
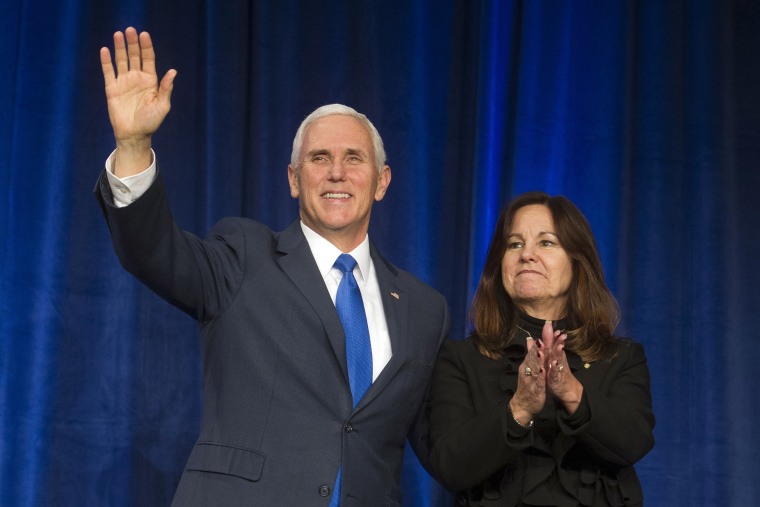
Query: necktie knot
point(345, 263)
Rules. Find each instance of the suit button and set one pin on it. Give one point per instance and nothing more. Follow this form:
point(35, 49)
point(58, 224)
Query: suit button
point(348, 428)
point(324, 490)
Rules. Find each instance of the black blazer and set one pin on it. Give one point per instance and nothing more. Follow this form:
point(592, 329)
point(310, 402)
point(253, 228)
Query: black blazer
point(480, 451)
point(278, 419)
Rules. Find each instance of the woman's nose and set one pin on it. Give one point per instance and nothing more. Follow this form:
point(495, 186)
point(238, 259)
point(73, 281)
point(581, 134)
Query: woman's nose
point(527, 253)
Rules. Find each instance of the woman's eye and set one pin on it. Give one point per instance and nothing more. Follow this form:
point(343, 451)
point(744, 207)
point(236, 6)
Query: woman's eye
point(514, 245)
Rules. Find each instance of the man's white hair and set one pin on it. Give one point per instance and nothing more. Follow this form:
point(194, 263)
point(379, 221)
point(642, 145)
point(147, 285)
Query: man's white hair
point(334, 109)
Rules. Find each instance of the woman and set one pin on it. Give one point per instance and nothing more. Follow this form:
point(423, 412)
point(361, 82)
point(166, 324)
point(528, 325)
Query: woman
point(541, 405)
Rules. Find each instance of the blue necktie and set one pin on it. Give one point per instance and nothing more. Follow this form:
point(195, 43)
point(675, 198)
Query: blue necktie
point(358, 349)
point(351, 312)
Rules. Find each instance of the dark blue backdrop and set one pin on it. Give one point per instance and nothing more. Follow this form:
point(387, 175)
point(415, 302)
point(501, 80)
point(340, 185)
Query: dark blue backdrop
point(645, 113)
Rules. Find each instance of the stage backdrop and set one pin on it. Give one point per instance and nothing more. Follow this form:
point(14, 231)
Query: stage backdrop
point(645, 113)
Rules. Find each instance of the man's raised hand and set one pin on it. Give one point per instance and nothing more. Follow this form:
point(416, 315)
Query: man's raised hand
point(137, 103)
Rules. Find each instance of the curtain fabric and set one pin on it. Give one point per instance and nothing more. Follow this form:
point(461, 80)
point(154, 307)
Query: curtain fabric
point(646, 114)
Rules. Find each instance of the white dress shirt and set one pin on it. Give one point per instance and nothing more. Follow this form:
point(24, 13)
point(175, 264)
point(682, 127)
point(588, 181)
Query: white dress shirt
point(127, 190)
point(325, 253)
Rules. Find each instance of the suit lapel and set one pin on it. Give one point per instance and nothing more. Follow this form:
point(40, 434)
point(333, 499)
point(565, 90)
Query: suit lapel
point(396, 308)
point(299, 265)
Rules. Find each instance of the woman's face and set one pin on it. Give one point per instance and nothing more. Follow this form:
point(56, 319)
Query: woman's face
point(536, 270)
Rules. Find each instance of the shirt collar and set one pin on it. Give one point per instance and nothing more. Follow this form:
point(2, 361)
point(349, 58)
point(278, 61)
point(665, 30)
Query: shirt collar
point(325, 253)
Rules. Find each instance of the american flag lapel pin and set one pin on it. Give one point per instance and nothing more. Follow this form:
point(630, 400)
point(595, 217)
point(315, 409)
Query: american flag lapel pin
point(394, 294)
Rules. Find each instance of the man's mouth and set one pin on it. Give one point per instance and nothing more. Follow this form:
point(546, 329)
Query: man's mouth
point(336, 195)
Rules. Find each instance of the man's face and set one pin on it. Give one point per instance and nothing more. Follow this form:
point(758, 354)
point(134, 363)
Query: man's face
point(337, 181)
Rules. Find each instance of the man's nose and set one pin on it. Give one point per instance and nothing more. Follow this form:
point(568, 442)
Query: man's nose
point(337, 170)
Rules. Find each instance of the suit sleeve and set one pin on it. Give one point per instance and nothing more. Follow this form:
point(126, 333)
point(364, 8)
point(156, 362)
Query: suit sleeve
point(199, 277)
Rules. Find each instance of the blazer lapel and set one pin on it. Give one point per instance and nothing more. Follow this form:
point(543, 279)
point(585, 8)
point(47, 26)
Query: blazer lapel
point(396, 308)
point(299, 265)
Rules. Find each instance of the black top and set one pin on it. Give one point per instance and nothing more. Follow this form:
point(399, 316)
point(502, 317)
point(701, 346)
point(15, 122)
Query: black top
point(480, 451)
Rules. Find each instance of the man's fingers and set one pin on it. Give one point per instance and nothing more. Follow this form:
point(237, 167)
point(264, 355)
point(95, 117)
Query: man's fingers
point(132, 52)
point(107, 66)
point(120, 53)
point(166, 86)
point(133, 48)
point(148, 53)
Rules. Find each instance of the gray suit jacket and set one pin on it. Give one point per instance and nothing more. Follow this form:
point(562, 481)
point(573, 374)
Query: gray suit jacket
point(278, 418)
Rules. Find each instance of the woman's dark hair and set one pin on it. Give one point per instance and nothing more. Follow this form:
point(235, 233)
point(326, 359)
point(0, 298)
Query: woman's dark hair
point(591, 307)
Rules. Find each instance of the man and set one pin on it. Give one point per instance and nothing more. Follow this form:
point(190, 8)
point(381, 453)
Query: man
point(287, 418)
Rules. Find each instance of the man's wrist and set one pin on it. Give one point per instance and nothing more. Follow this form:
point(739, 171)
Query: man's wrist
point(132, 157)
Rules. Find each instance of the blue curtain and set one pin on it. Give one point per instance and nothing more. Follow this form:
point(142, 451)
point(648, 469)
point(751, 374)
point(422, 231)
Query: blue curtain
point(645, 113)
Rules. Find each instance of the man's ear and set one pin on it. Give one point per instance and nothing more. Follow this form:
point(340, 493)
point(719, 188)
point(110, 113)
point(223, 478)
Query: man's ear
point(293, 181)
point(383, 182)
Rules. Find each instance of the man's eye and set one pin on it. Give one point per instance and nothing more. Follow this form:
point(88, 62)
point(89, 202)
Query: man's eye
point(319, 159)
point(354, 159)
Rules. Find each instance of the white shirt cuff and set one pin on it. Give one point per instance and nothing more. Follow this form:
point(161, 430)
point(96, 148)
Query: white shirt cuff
point(127, 190)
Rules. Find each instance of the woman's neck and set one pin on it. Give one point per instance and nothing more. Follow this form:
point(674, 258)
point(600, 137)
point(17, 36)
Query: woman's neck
point(542, 312)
